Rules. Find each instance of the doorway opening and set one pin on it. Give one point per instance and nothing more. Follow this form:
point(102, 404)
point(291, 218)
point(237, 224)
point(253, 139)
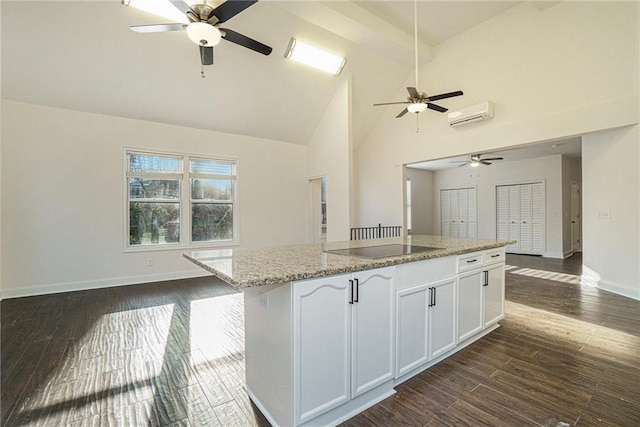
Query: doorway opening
point(318, 210)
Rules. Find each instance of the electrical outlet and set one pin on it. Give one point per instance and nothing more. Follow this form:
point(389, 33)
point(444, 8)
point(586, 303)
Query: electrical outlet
point(150, 262)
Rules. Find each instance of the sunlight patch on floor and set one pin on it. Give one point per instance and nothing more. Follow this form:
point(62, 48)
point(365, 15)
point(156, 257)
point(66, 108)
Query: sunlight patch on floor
point(574, 331)
point(544, 274)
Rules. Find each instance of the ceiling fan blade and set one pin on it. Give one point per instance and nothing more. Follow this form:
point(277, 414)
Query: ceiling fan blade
point(157, 28)
point(413, 92)
point(244, 41)
point(231, 8)
point(392, 103)
point(459, 161)
point(206, 55)
point(485, 163)
point(181, 5)
point(464, 164)
point(436, 107)
point(494, 158)
point(445, 95)
point(402, 113)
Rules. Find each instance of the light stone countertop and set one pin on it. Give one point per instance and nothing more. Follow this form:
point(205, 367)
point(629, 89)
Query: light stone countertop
point(249, 267)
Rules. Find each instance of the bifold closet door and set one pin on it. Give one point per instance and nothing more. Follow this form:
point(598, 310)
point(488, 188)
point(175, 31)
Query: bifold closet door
point(520, 217)
point(458, 212)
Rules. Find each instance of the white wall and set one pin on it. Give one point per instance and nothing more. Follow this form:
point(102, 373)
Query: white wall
point(330, 156)
point(546, 169)
point(611, 183)
point(564, 71)
point(63, 188)
point(422, 194)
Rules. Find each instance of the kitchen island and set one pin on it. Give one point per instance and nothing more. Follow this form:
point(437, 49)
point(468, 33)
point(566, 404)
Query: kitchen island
point(328, 335)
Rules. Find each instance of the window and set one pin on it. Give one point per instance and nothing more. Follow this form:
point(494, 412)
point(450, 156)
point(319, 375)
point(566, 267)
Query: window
point(179, 200)
point(323, 207)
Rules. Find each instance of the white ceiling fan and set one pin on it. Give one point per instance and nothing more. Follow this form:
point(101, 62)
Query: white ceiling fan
point(476, 160)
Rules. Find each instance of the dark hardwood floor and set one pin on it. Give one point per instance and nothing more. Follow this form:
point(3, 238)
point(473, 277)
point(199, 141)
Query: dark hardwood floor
point(171, 353)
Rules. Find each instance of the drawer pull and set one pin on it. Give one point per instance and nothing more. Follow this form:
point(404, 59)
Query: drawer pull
point(469, 261)
point(495, 256)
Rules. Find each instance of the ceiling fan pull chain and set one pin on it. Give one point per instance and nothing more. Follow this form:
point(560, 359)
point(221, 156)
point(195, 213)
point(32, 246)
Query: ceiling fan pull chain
point(417, 123)
point(202, 71)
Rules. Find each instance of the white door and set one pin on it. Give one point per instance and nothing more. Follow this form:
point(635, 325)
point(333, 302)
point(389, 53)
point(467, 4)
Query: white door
point(455, 214)
point(525, 219)
point(514, 217)
point(442, 317)
point(322, 339)
point(537, 219)
point(493, 288)
point(463, 216)
point(472, 213)
point(445, 212)
point(372, 330)
point(470, 319)
point(502, 212)
point(411, 328)
point(575, 217)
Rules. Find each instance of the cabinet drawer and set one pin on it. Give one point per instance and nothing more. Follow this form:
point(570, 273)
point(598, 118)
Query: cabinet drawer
point(494, 256)
point(419, 272)
point(470, 261)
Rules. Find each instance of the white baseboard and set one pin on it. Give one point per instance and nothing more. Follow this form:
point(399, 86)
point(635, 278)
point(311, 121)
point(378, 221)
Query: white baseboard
point(620, 289)
point(557, 255)
point(54, 288)
point(591, 278)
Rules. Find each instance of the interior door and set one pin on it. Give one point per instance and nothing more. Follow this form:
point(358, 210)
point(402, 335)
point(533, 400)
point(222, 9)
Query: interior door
point(514, 217)
point(445, 212)
point(525, 219)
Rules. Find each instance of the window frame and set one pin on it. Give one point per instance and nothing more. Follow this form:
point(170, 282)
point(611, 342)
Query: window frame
point(184, 199)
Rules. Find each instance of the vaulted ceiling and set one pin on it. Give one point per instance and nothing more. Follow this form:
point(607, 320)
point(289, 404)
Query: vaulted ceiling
point(81, 55)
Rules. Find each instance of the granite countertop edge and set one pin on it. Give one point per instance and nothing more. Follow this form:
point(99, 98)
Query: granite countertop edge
point(353, 264)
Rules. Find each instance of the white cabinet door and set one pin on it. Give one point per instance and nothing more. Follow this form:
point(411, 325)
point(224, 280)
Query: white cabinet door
point(493, 294)
point(442, 316)
point(322, 339)
point(470, 294)
point(372, 330)
point(411, 328)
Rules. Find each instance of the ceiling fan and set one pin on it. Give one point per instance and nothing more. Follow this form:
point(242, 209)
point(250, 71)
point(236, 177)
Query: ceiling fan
point(420, 101)
point(203, 27)
point(476, 160)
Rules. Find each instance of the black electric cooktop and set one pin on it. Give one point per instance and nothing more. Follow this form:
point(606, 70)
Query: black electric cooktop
point(382, 251)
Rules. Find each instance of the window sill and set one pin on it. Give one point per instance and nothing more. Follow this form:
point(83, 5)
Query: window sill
point(179, 247)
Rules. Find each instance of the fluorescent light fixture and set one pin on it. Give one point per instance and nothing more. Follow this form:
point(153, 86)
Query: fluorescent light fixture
point(163, 9)
point(314, 57)
point(418, 107)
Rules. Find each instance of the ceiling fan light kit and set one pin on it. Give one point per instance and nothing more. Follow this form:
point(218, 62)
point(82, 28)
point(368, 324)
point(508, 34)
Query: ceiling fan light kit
point(203, 34)
point(203, 21)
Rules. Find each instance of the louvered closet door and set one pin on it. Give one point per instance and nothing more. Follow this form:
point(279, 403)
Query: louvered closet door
point(514, 217)
point(445, 212)
point(472, 213)
point(525, 219)
point(455, 214)
point(463, 208)
point(502, 212)
point(537, 219)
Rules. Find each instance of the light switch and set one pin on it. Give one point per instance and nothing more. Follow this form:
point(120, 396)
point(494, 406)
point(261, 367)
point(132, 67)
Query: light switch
point(604, 214)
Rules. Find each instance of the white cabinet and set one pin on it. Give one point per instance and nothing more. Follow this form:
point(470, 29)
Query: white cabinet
point(458, 212)
point(425, 323)
point(520, 217)
point(343, 337)
point(480, 292)
point(442, 317)
point(493, 294)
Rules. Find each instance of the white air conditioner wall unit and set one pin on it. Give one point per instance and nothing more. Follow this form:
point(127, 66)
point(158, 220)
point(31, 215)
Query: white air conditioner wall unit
point(475, 113)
